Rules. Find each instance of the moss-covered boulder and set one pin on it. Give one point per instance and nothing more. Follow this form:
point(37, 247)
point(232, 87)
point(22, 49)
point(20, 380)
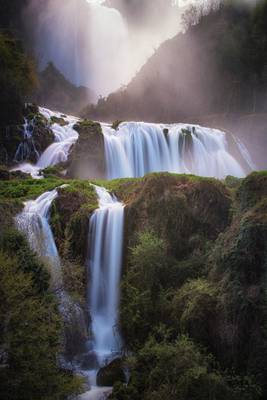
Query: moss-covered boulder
point(87, 159)
point(111, 374)
point(185, 210)
point(6, 174)
point(252, 190)
point(70, 216)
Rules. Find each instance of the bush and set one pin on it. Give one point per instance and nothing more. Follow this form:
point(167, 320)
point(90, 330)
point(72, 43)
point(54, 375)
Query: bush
point(30, 330)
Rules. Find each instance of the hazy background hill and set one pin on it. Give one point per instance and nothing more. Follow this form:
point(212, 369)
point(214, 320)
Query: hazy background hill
point(218, 66)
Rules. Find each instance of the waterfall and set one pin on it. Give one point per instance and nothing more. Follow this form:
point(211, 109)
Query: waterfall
point(24, 149)
point(33, 221)
point(73, 34)
point(106, 238)
point(57, 152)
point(138, 148)
point(104, 264)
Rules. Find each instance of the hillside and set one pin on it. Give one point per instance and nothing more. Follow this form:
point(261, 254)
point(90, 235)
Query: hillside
point(56, 92)
point(230, 43)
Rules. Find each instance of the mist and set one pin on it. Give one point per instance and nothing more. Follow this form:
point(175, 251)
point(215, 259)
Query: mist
point(99, 44)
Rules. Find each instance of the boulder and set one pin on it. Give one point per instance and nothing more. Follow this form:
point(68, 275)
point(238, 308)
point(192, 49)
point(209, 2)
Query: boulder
point(111, 373)
point(87, 159)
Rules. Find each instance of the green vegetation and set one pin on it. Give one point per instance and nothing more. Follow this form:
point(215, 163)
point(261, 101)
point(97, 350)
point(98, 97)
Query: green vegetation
point(17, 79)
point(214, 294)
point(27, 189)
point(193, 306)
point(179, 370)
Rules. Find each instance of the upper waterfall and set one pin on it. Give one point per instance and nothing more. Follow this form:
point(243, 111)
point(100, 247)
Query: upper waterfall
point(138, 148)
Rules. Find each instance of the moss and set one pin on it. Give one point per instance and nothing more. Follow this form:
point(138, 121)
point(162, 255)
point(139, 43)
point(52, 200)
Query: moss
point(178, 207)
point(27, 189)
point(232, 182)
point(194, 309)
point(59, 121)
point(57, 171)
point(70, 218)
point(252, 189)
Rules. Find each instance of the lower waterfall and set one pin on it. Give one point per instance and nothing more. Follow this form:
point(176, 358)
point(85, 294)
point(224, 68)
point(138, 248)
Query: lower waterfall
point(104, 263)
point(138, 148)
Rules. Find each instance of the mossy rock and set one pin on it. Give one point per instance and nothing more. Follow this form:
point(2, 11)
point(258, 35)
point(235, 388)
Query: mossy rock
point(252, 189)
point(110, 374)
point(59, 121)
point(70, 215)
point(87, 159)
point(178, 207)
point(58, 171)
point(6, 174)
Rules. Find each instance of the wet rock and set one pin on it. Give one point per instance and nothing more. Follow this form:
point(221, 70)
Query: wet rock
point(111, 373)
point(87, 159)
point(89, 361)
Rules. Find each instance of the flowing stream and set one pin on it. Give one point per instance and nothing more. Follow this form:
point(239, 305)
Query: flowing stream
point(137, 148)
point(104, 264)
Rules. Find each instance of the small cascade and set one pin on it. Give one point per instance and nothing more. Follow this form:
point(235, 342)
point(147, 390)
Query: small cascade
point(27, 146)
point(138, 148)
point(33, 221)
point(104, 264)
point(57, 152)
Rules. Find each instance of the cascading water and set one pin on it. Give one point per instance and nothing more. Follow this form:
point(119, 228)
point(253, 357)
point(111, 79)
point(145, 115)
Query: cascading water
point(138, 148)
point(34, 222)
point(104, 263)
point(65, 137)
point(25, 148)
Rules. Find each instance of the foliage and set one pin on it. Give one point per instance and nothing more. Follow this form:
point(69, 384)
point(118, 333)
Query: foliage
point(15, 244)
point(178, 370)
point(17, 79)
point(29, 339)
point(28, 188)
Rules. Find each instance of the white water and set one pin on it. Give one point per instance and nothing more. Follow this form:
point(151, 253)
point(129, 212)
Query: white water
point(104, 264)
point(138, 148)
point(24, 149)
point(105, 244)
point(57, 152)
point(34, 222)
point(94, 45)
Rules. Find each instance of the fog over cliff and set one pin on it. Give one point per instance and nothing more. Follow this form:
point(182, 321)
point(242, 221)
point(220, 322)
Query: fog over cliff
point(100, 44)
